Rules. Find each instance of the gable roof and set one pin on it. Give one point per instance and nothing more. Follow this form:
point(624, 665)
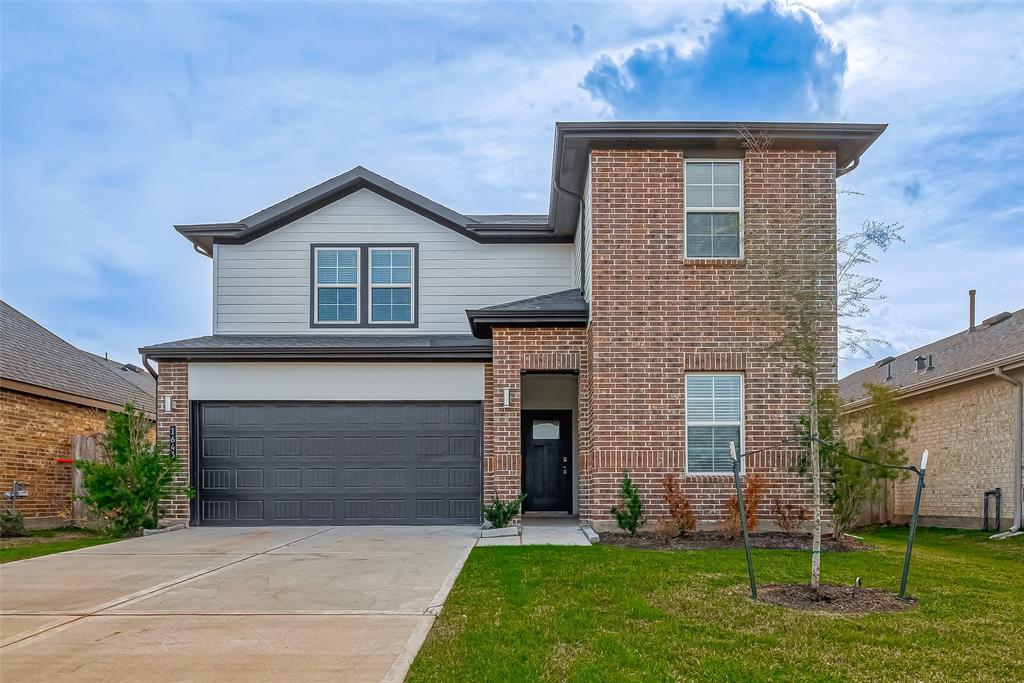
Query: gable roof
point(35, 360)
point(481, 228)
point(998, 341)
point(566, 308)
point(573, 142)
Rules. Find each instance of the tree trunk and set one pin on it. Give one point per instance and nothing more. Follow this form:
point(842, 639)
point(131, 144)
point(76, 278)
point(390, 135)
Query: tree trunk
point(816, 479)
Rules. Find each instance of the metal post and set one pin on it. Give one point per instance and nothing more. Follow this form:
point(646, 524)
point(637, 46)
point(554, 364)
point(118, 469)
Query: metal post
point(743, 517)
point(913, 524)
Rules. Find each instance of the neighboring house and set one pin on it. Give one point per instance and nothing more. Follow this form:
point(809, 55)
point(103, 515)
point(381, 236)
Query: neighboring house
point(377, 357)
point(51, 391)
point(965, 391)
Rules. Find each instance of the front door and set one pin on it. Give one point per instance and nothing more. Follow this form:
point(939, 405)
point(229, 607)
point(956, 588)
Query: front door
point(547, 460)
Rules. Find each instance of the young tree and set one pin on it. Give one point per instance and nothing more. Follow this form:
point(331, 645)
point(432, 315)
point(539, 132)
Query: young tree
point(812, 296)
point(802, 299)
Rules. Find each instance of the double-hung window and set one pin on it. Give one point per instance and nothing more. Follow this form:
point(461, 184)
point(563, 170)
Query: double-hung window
point(337, 285)
point(391, 285)
point(363, 285)
point(714, 209)
point(714, 417)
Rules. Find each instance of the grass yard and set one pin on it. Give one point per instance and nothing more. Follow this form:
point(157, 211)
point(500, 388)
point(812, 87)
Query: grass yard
point(613, 614)
point(49, 541)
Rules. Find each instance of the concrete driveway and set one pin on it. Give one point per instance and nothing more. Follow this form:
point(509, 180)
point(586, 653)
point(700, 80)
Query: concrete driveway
point(282, 603)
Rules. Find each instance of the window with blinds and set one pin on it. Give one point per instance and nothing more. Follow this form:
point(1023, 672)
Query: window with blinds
point(714, 417)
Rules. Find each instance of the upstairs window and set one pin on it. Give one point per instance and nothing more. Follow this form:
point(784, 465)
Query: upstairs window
point(363, 285)
point(714, 417)
point(337, 285)
point(391, 285)
point(714, 209)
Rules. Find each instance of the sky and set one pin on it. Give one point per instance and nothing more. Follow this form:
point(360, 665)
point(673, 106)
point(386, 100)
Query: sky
point(120, 120)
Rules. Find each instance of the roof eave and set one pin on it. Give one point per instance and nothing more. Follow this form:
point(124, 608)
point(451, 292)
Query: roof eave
point(465, 354)
point(481, 321)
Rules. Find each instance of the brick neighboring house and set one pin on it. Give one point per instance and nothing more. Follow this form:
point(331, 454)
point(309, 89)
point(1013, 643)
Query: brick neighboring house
point(966, 393)
point(49, 392)
point(377, 357)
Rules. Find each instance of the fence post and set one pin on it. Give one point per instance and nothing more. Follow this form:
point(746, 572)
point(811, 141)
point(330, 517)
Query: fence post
point(913, 523)
point(743, 517)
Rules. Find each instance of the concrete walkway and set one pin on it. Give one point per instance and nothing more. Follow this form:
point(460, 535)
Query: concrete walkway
point(282, 603)
point(543, 531)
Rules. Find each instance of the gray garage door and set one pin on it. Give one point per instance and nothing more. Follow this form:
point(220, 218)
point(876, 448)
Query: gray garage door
point(338, 463)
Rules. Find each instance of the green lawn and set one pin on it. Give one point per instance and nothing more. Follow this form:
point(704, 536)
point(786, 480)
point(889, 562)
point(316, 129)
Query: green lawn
point(603, 613)
point(49, 541)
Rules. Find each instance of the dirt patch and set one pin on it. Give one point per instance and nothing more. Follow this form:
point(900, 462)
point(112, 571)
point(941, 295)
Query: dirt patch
point(710, 540)
point(833, 599)
point(49, 537)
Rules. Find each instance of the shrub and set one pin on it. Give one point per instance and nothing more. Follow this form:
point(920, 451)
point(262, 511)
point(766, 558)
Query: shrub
point(500, 514)
point(629, 513)
point(882, 427)
point(680, 520)
point(789, 516)
point(753, 491)
point(11, 523)
point(126, 485)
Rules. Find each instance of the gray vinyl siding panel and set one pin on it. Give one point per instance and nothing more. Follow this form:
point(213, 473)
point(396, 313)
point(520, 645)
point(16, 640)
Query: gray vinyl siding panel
point(263, 287)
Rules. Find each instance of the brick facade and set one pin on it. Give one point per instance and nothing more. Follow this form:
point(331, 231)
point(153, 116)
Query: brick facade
point(36, 432)
point(518, 351)
point(173, 382)
point(656, 316)
point(968, 431)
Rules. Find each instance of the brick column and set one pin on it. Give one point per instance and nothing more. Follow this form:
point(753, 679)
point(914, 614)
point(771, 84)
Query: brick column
point(173, 382)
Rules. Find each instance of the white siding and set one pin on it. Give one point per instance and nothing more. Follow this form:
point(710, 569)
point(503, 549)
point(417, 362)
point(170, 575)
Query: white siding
point(335, 381)
point(263, 287)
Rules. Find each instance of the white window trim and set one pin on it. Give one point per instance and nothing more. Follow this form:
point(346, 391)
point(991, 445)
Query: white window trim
point(411, 286)
point(317, 286)
point(714, 209)
point(740, 447)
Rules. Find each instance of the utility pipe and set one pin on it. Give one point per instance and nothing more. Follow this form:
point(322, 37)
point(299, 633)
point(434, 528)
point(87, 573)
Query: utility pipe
point(1018, 460)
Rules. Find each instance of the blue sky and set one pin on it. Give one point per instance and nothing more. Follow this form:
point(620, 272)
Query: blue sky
point(121, 119)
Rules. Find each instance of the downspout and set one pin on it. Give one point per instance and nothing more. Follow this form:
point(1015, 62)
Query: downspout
point(156, 399)
point(1018, 465)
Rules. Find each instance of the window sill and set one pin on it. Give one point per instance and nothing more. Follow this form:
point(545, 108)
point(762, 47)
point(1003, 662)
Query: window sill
point(715, 262)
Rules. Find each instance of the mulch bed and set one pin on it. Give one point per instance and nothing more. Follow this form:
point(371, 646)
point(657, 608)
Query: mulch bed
point(711, 540)
point(833, 599)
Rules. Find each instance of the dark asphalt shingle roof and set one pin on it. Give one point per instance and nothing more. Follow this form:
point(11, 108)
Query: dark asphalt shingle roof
point(31, 354)
point(987, 345)
point(565, 300)
point(320, 341)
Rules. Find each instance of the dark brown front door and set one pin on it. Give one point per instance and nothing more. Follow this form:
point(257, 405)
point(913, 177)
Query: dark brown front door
point(547, 460)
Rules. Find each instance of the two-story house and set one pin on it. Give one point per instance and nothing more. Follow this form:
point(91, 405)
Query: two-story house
point(377, 357)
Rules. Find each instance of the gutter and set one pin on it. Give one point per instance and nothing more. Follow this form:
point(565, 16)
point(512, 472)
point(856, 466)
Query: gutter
point(1018, 461)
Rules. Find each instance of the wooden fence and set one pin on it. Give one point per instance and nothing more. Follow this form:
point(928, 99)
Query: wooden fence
point(82, 448)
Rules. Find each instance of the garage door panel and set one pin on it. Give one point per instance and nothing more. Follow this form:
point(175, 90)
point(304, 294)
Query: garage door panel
point(339, 464)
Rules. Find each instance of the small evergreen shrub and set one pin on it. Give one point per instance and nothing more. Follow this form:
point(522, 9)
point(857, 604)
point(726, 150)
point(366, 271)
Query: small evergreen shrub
point(629, 513)
point(680, 520)
point(499, 514)
point(136, 473)
point(11, 523)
